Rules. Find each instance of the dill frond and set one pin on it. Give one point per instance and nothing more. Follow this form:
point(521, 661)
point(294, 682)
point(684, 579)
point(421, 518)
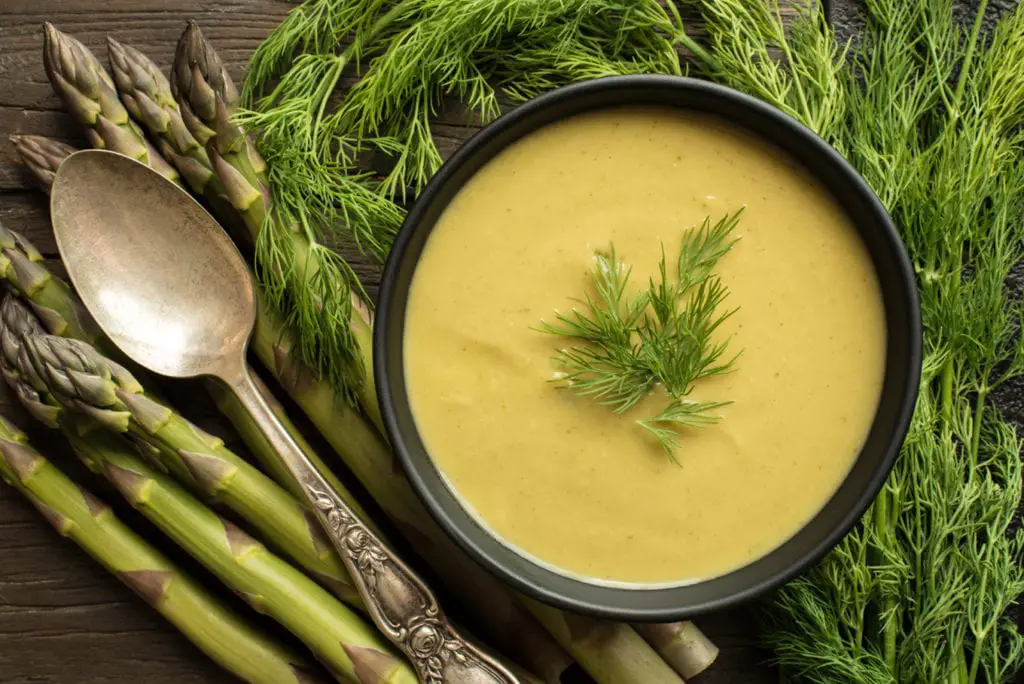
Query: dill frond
point(661, 336)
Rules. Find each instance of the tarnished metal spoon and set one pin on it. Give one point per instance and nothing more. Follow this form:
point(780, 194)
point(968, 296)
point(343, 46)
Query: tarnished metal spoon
point(170, 289)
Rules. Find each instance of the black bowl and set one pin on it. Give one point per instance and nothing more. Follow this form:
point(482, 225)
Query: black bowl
point(842, 511)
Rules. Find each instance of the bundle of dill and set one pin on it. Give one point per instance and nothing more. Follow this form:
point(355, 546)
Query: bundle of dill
point(930, 113)
point(407, 56)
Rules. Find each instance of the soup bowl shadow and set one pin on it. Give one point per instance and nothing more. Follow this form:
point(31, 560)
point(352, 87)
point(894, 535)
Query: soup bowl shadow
point(866, 476)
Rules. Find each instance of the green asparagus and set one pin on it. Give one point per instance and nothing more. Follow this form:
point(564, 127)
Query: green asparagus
point(606, 650)
point(341, 640)
point(86, 382)
point(206, 621)
point(203, 89)
point(146, 94)
point(681, 644)
point(89, 93)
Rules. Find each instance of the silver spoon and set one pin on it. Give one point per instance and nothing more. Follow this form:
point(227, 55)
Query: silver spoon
point(170, 289)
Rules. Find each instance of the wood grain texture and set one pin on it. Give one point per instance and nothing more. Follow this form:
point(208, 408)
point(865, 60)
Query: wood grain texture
point(64, 620)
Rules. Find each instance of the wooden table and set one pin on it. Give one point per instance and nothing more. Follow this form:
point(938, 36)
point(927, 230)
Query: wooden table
point(62, 618)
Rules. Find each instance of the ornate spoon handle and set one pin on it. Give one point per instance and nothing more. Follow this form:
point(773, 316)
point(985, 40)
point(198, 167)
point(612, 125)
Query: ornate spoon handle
point(398, 601)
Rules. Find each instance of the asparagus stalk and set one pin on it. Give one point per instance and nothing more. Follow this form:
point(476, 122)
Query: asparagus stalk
point(613, 651)
point(207, 622)
point(350, 648)
point(41, 156)
point(89, 93)
point(200, 80)
point(346, 645)
point(608, 652)
point(682, 645)
point(110, 394)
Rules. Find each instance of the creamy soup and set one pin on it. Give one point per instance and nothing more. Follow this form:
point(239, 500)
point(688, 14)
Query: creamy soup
point(567, 481)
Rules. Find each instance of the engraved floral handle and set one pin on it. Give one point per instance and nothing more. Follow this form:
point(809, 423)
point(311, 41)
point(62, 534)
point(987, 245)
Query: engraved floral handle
point(398, 601)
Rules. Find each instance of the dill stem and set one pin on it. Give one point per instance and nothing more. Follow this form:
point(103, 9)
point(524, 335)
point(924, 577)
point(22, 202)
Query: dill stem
point(353, 48)
point(946, 405)
point(682, 38)
point(336, 71)
point(698, 51)
point(785, 47)
point(961, 81)
point(979, 412)
point(972, 676)
point(885, 525)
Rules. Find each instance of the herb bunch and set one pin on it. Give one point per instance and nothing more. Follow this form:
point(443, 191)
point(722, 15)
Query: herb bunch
point(929, 113)
point(629, 344)
point(319, 133)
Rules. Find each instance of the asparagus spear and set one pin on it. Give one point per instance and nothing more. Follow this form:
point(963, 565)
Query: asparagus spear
point(87, 90)
point(112, 396)
point(146, 94)
point(207, 95)
point(682, 645)
point(44, 367)
point(208, 98)
point(339, 638)
point(202, 82)
point(42, 156)
point(207, 622)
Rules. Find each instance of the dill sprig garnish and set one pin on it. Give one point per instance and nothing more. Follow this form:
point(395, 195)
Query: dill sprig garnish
point(930, 113)
point(660, 336)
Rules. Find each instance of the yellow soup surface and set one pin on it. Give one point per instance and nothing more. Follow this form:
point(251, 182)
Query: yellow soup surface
point(566, 480)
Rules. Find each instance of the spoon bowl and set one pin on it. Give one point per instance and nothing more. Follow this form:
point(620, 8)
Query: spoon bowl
point(171, 290)
point(149, 273)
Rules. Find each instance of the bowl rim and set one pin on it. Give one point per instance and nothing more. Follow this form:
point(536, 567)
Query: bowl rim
point(418, 468)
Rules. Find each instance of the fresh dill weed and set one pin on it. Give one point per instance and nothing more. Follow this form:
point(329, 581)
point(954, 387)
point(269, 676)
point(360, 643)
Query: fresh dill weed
point(627, 345)
point(929, 111)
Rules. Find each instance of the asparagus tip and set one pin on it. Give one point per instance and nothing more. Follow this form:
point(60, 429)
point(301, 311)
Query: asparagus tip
point(41, 156)
point(197, 66)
